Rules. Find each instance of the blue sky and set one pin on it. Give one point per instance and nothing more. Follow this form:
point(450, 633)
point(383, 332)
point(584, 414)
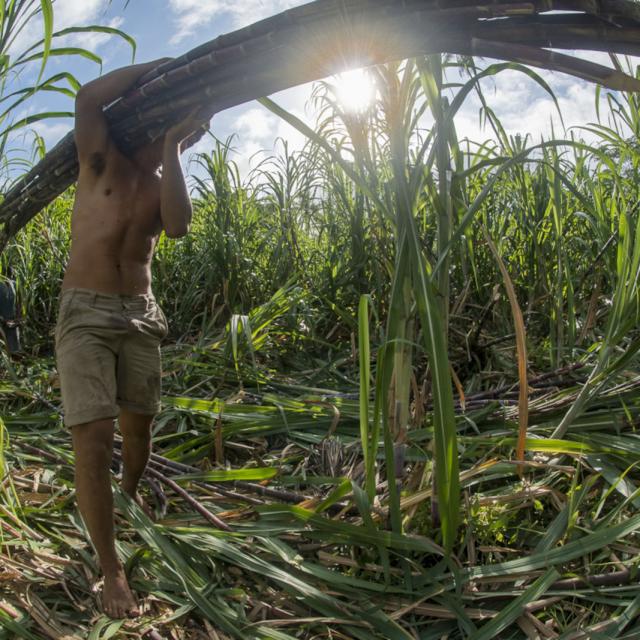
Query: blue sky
point(171, 27)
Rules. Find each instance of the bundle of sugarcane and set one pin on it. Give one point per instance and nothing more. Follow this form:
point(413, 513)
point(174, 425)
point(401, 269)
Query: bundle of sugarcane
point(318, 39)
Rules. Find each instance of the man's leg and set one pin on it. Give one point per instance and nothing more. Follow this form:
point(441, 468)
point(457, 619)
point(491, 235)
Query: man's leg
point(136, 449)
point(93, 444)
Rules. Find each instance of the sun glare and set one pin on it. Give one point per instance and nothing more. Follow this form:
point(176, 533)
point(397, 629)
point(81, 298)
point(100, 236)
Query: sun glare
point(355, 89)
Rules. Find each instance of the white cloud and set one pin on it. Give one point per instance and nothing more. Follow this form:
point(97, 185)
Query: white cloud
point(523, 107)
point(22, 147)
point(191, 15)
point(52, 132)
point(255, 133)
point(257, 130)
point(66, 13)
point(256, 123)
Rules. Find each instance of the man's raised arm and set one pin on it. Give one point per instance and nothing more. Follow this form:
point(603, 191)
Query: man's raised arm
point(91, 133)
point(175, 204)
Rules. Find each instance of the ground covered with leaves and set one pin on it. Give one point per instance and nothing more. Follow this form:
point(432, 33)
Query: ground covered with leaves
point(263, 529)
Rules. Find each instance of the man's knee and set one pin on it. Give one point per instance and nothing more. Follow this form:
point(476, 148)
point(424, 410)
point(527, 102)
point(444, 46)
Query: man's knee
point(135, 426)
point(93, 439)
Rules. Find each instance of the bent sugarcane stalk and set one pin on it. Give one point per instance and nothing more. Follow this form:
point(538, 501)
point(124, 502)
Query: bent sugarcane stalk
point(320, 38)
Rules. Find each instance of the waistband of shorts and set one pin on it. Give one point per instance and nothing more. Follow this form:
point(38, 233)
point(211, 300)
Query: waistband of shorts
point(112, 300)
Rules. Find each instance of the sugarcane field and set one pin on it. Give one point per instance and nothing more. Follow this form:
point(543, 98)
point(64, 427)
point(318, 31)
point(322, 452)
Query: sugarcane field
point(320, 320)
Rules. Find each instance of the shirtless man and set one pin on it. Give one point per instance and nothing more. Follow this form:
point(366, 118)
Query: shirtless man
point(109, 326)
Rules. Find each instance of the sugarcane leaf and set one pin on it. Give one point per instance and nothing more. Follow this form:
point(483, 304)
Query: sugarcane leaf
point(228, 475)
point(46, 10)
point(515, 608)
point(60, 51)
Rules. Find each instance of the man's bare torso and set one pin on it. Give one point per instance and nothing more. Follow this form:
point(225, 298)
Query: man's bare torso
point(114, 226)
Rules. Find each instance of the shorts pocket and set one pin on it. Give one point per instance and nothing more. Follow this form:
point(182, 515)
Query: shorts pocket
point(63, 313)
point(162, 320)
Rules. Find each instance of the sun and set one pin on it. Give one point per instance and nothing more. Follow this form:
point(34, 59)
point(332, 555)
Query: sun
point(355, 90)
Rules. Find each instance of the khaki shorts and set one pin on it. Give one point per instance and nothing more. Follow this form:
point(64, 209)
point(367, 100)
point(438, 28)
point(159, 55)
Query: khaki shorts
point(108, 354)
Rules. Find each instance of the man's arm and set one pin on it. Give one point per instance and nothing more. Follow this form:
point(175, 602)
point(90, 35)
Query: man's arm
point(91, 132)
point(175, 204)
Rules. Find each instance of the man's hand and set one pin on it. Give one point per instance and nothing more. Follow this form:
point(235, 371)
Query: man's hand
point(188, 131)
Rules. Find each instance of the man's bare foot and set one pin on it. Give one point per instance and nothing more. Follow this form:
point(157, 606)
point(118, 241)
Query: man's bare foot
point(117, 599)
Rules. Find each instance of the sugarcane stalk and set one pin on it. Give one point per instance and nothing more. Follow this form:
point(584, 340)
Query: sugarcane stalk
point(285, 496)
point(159, 495)
point(212, 487)
point(600, 580)
point(189, 499)
point(317, 39)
